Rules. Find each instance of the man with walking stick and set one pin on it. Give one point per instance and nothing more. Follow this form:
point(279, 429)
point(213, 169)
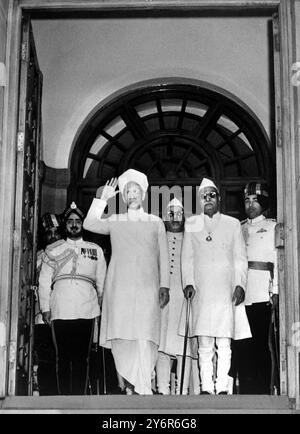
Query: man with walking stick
point(171, 349)
point(214, 270)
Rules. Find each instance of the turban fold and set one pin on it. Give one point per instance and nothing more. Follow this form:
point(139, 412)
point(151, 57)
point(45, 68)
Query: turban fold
point(259, 189)
point(73, 208)
point(132, 175)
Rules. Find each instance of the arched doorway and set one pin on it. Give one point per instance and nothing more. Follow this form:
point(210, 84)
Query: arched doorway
point(176, 134)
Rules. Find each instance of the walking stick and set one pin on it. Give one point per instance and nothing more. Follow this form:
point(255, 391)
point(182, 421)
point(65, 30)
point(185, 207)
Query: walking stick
point(185, 343)
point(273, 347)
point(103, 362)
point(104, 371)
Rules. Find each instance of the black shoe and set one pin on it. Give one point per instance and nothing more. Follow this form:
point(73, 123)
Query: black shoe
point(223, 393)
point(204, 392)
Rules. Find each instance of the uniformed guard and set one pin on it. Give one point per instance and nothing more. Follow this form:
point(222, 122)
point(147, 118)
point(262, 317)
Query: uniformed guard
point(254, 358)
point(44, 351)
point(171, 343)
point(214, 270)
point(70, 288)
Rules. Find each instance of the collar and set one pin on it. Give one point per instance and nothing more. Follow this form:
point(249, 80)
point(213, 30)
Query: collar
point(135, 214)
point(74, 242)
point(258, 219)
point(175, 234)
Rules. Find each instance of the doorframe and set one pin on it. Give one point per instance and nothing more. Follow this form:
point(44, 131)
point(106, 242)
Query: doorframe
point(287, 156)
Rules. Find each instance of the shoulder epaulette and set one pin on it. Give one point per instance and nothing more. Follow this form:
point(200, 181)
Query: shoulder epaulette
point(90, 243)
point(54, 245)
point(271, 221)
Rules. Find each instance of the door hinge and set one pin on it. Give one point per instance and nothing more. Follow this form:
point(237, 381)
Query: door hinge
point(279, 235)
point(24, 51)
point(20, 143)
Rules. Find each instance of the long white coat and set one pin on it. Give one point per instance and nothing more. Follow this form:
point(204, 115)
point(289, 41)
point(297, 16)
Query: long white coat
point(139, 266)
point(171, 342)
point(215, 268)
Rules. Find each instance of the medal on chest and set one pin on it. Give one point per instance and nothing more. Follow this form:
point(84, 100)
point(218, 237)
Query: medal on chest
point(209, 238)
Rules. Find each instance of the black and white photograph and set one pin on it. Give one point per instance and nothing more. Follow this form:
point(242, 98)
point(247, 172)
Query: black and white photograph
point(149, 210)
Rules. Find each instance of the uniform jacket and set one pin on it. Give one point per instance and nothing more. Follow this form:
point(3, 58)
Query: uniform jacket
point(215, 268)
point(139, 266)
point(259, 235)
point(71, 279)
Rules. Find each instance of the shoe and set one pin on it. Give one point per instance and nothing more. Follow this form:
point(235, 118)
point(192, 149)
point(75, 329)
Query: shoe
point(204, 392)
point(129, 391)
point(224, 392)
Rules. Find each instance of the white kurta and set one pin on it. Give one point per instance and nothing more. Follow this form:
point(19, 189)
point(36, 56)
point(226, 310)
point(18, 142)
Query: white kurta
point(171, 342)
point(137, 269)
point(67, 264)
point(215, 268)
point(259, 235)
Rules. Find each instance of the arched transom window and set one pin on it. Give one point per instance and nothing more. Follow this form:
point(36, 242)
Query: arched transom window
point(176, 134)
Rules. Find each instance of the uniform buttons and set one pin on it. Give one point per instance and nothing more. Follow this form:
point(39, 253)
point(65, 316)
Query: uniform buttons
point(171, 272)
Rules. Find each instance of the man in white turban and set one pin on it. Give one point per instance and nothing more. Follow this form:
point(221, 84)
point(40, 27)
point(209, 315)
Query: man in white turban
point(214, 270)
point(137, 282)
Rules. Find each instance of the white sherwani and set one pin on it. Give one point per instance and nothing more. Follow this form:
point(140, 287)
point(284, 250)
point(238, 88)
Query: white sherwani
point(137, 269)
point(171, 342)
point(214, 261)
point(214, 268)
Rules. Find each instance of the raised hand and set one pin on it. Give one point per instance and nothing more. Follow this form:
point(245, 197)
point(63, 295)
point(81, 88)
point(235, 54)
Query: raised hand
point(108, 191)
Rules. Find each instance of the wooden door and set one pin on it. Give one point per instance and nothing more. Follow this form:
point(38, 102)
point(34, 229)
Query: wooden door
point(280, 209)
point(28, 144)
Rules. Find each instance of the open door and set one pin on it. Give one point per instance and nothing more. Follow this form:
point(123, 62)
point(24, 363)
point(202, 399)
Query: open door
point(280, 212)
point(28, 150)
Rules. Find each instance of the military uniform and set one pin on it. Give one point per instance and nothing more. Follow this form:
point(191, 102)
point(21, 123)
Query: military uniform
point(44, 351)
point(70, 283)
point(44, 382)
point(255, 357)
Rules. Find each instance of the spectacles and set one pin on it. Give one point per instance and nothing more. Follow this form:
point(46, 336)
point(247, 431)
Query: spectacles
point(175, 214)
point(210, 195)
